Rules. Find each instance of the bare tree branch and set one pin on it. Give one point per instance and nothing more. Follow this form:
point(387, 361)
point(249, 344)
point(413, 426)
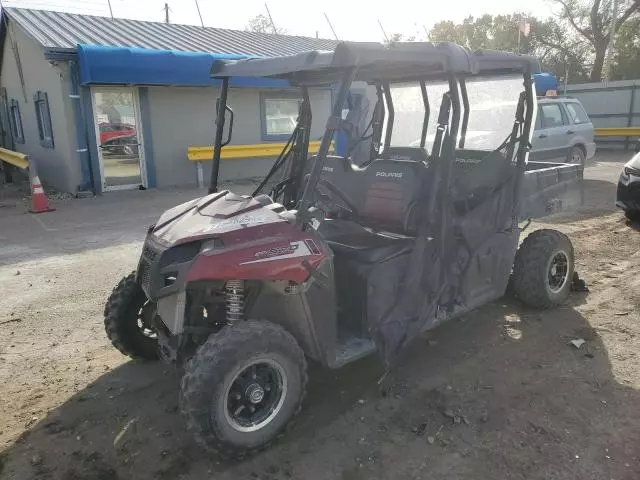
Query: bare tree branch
point(583, 31)
point(634, 7)
point(568, 51)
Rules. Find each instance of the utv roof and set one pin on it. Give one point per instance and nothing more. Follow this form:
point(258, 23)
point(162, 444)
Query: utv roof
point(377, 62)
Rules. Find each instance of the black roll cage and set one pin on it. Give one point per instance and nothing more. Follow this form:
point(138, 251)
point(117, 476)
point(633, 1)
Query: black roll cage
point(349, 59)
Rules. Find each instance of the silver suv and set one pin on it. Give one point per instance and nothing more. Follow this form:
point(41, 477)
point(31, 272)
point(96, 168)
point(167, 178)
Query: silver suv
point(563, 131)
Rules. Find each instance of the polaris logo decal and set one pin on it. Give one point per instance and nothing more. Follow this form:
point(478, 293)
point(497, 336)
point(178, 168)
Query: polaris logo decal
point(277, 251)
point(327, 169)
point(281, 252)
point(390, 174)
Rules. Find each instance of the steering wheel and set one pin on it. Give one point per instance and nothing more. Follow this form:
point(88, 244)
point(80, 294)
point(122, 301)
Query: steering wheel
point(349, 205)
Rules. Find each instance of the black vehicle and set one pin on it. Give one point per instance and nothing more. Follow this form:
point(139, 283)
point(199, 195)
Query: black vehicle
point(628, 197)
point(332, 261)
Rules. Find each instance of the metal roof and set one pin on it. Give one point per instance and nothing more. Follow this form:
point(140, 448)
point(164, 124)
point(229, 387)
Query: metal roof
point(60, 30)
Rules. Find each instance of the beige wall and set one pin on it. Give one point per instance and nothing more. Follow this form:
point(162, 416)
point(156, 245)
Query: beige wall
point(181, 117)
point(58, 166)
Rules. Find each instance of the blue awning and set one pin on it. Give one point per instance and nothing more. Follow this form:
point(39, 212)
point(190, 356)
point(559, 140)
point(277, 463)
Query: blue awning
point(141, 66)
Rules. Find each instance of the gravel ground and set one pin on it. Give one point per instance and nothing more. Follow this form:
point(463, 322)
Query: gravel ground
point(496, 394)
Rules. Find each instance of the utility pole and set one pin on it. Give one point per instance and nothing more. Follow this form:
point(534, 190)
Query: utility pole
point(199, 14)
point(166, 13)
point(612, 34)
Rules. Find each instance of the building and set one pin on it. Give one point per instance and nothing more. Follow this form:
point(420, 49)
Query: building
point(108, 104)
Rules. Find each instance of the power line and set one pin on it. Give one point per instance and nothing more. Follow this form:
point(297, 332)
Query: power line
point(331, 26)
point(383, 32)
point(199, 14)
point(273, 25)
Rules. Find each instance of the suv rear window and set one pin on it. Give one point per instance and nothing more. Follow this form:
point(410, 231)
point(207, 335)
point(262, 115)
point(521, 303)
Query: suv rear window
point(576, 113)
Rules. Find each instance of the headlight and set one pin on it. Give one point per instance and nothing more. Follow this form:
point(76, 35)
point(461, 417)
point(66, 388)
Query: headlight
point(631, 171)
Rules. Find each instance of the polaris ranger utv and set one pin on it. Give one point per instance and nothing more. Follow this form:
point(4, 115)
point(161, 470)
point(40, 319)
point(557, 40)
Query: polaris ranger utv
point(332, 261)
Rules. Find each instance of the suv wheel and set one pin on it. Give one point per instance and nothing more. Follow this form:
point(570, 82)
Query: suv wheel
point(578, 156)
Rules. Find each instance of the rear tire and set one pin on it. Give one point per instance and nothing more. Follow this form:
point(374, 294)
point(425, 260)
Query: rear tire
point(252, 357)
point(578, 156)
point(123, 320)
point(633, 215)
point(543, 269)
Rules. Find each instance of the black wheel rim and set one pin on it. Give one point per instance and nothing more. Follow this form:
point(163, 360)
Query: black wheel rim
point(558, 271)
point(144, 320)
point(255, 395)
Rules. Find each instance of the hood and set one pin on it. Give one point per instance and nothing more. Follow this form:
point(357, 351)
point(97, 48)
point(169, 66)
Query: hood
point(634, 162)
point(214, 215)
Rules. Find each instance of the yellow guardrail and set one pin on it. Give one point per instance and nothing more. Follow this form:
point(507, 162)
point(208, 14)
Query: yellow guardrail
point(17, 159)
point(617, 132)
point(231, 152)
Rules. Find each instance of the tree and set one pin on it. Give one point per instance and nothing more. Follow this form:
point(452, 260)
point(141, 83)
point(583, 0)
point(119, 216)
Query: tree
point(626, 51)
point(591, 22)
point(559, 53)
point(398, 37)
point(262, 24)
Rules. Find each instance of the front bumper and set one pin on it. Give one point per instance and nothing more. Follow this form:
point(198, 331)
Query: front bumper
point(162, 275)
point(628, 193)
point(163, 271)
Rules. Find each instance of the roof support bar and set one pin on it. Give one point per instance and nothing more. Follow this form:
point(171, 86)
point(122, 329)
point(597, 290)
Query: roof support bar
point(377, 123)
point(524, 145)
point(427, 111)
point(221, 106)
point(333, 126)
point(465, 115)
point(390, 116)
point(292, 190)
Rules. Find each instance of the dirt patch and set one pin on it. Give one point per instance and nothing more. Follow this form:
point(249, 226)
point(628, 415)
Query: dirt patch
point(499, 393)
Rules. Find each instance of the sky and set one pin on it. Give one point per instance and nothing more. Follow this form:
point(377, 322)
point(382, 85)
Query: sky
point(352, 20)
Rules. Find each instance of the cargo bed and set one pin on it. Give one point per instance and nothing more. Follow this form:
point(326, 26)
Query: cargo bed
point(550, 188)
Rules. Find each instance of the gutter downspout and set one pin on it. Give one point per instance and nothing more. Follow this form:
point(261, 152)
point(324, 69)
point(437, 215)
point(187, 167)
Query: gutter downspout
point(82, 149)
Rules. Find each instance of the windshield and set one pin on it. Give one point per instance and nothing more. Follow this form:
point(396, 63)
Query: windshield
point(492, 105)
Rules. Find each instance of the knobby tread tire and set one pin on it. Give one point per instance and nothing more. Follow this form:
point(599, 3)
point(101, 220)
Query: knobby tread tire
point(206, 370)
point(529, 278)
point(120, 320)
point(633, 215)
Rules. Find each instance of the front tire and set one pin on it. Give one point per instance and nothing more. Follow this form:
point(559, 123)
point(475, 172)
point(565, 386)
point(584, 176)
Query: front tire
point(543, 269)
point(242, 387)
point(127, 318)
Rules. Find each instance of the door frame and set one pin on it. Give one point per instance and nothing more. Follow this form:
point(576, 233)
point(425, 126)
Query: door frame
point(96, 131)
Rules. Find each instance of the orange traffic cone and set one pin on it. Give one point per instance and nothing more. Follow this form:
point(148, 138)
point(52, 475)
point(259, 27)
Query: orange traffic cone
point(39, 201)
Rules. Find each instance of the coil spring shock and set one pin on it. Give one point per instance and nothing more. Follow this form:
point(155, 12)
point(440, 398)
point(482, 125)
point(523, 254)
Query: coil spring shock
point(234, 290)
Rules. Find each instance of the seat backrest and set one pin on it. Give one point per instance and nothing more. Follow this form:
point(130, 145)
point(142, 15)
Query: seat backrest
point(389, 191)
point(414, 154)
point(384, 192)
